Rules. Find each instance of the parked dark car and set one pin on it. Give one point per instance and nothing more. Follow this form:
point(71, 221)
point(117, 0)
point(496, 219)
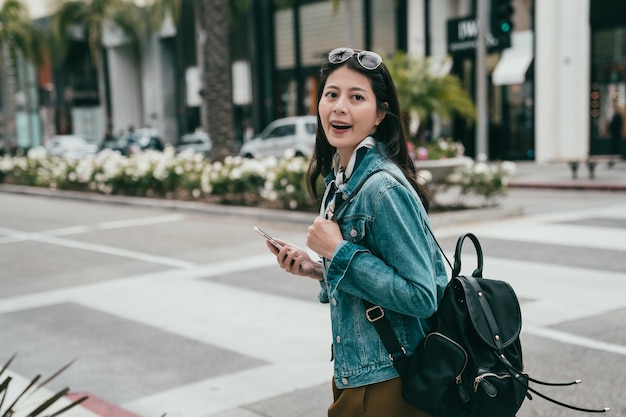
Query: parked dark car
point(129, 142)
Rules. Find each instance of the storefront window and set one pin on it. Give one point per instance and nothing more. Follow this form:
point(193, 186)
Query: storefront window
point(607, 98)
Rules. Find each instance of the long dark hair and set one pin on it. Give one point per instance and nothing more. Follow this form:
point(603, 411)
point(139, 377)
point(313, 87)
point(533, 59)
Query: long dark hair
point(391, 132)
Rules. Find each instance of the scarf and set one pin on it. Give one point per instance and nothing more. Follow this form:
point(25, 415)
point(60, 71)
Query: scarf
point(342, 175)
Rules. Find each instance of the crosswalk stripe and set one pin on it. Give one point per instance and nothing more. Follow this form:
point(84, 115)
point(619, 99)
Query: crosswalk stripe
point(295, 346)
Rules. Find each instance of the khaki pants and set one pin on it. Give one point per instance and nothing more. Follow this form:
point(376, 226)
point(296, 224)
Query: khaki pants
point(377, 400)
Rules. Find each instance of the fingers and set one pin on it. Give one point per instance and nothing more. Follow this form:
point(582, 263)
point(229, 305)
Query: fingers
point(271, 247)
point(323, 237)
point(290, 260)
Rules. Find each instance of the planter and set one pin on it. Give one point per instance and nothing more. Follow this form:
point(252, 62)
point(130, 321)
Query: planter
point(441, 168)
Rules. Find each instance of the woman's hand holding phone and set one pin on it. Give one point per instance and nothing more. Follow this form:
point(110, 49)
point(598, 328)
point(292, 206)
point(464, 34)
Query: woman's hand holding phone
point(292, 258)
point(268, 238)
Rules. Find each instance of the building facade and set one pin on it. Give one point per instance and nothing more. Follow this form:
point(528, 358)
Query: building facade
point(552, 94)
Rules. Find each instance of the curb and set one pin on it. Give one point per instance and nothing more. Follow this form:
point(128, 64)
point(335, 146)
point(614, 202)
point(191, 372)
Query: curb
point(437, 218)
point(155, 203)
point(100, 406)
point(584, 186)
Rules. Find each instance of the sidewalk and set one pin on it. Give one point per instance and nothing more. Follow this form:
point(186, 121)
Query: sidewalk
point(529, 175)
point(559, 176)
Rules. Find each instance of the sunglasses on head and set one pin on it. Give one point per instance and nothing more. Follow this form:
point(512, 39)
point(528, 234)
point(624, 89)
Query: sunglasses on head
point(367, 59)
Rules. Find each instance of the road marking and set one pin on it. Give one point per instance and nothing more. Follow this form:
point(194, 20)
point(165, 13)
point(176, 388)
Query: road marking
point(116, 224)
point(18, 235)
point(221, 315)
point(71, 294)
point(233, 390)
point(109, 250)
point(572, 339)
point(233, 317)
point(50, 237)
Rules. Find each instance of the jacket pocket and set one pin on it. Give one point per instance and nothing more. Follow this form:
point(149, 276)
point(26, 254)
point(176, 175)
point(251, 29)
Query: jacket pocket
point(353, 230)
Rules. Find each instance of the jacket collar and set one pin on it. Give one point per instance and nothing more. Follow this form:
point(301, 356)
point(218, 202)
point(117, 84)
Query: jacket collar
point(374, 159)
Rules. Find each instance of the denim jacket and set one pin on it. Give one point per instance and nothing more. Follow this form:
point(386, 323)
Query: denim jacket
point(388, 257)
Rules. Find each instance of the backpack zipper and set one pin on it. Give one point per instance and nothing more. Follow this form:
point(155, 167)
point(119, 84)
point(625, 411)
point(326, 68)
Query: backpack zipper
point(487, 386)
point(458, 379)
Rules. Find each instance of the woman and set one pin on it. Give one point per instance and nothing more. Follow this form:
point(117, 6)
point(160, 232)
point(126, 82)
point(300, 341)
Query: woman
point(377, 246)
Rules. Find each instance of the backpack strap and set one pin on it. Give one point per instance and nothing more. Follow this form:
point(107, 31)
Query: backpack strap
point(397, 353)
point(486, 311)
point(376, 314)
point(341, 205)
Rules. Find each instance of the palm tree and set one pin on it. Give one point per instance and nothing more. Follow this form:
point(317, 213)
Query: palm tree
point(18, 36)
point(422, 91)
point(215, 16)
point(94, 17)
point(86, 19)
point(161, 9)
point(77, 22)
point(216, 77)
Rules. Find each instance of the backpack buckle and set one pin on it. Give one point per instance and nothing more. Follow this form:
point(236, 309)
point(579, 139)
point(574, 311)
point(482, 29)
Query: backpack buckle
point(374, 313)
point(398, 355)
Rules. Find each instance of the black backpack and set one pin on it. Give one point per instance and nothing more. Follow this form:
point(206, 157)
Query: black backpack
point(475, 351)
point(470, 364)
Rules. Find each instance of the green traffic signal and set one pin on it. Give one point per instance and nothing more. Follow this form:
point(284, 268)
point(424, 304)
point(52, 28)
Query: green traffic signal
point(505, 27)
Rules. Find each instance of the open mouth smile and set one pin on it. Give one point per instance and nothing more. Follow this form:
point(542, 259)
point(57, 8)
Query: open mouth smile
point(340, 126)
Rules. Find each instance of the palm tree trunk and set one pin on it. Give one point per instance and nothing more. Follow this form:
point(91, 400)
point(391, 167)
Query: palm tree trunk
point(8, 71)
point(216, 78)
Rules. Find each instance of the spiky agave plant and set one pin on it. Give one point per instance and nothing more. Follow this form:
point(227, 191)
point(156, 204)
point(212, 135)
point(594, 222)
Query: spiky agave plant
point(25, 403)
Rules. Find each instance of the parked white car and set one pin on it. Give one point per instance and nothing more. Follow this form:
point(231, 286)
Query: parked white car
point(291, 133)
point(70, 146)
point(198, 141)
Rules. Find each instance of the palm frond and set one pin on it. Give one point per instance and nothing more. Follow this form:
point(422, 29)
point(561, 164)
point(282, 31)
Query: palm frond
point(9, 411)
point(7, 363)
point(69, 406)
point(14, 10)
point(131, 20)
point(4, 388)
point(55, 374)
point(91, 16)
point(18, 31)
point(161, 9)
point(26, 403)
point(47, 403)
point(423, 90)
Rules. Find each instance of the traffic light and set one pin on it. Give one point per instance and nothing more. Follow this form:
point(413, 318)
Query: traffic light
point(502, 21)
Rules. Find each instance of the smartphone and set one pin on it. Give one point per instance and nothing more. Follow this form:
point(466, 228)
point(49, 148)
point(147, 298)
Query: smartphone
point(268, 238)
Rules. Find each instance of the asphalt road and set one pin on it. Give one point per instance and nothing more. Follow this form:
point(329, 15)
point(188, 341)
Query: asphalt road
point(183, 312)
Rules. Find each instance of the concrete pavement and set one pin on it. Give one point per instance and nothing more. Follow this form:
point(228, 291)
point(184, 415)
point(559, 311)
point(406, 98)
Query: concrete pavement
point(529, 175)
point(559, 176)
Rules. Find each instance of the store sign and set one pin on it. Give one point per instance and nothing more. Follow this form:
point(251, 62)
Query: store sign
point(463, 35)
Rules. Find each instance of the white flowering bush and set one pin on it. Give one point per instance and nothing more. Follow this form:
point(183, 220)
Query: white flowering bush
point(187, 175)
point(441, 148)
point(269, 182)
point(488, 181)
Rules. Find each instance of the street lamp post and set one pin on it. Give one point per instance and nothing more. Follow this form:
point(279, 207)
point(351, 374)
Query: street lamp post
point(482, 150)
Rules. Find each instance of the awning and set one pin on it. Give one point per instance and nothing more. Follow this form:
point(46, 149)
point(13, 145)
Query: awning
point(514, 61)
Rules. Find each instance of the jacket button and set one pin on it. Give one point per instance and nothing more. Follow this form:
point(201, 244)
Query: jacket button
point(334, 301)
point(338, 339)
point(344, 381)
point(353, 233)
